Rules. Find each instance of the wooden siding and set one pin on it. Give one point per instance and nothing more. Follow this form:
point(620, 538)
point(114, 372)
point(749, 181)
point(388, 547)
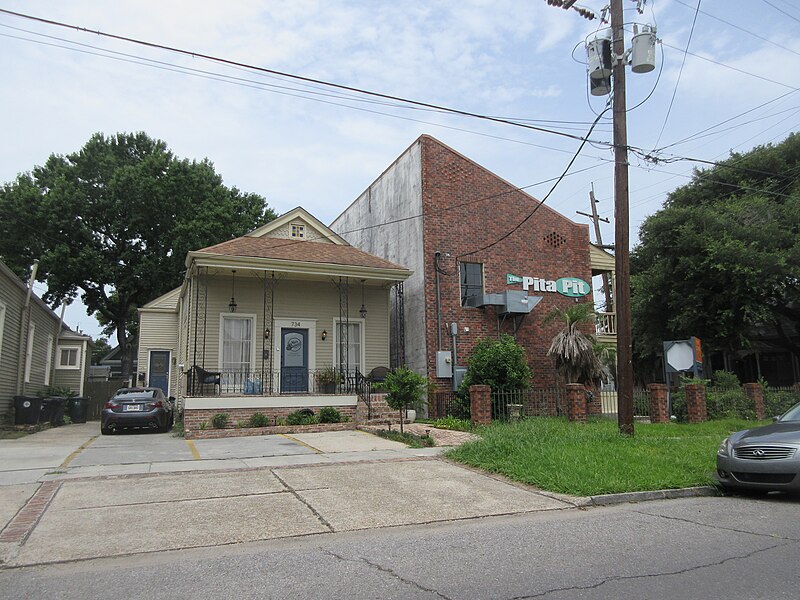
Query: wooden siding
point(306, 301)
point(158, 331)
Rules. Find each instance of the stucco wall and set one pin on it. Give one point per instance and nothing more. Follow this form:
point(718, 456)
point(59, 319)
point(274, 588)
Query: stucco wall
point(394, 201)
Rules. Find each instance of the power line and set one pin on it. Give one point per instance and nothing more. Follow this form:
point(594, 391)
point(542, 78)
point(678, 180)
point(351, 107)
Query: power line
point(678, 81)
point(780, 10)
point(552, 189)
point(742, 29)
point(338, 86)
point(265, 87)
point(732, 68)
point(762, 105)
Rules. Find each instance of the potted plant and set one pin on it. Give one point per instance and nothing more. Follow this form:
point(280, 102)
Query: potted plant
point(327, 380)
point(405, 390)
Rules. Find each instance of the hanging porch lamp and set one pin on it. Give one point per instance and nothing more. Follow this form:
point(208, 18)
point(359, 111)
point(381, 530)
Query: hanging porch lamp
point(232, 304)
point(363, 310)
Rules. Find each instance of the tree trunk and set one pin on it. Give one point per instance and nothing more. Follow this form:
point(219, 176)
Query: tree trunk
point(401, 421)
point(126, 358)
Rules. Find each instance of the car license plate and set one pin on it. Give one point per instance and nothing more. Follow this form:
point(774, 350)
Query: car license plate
point(132, 407)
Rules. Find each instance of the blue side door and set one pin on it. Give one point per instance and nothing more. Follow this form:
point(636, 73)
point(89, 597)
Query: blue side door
point(294, 360)
point(159, 370)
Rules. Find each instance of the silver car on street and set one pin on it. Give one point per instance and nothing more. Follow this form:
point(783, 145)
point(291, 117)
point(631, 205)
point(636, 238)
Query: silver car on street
point(764, 458)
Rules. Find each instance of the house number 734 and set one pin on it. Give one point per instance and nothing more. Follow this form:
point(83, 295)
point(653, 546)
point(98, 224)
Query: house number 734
point(295, 323)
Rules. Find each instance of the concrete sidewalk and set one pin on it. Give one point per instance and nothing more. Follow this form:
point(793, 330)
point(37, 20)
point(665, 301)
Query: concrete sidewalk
point(76, 519)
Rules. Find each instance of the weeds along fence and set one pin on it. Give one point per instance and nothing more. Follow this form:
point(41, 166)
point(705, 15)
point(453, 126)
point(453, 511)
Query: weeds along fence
point(731, 402)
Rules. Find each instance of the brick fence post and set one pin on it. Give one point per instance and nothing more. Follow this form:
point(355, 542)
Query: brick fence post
point(480, 404)
point(594, 407)
point(696, 402)
point(755, 393)
point(576, 402)
point(657, 395)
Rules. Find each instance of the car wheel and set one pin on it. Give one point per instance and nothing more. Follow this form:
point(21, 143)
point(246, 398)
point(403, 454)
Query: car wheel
point(106, 431)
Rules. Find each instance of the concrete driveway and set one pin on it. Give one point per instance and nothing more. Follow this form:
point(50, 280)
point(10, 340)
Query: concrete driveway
point(128, 494)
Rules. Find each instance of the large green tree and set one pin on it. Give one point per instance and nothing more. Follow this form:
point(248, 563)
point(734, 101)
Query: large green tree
point(722, 258)
point(113, 222)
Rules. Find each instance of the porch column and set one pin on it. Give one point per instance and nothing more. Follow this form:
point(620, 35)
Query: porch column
point(576, 402)
point(657, 396)
point(696, 402)
point(594, 406)
point(755, 393)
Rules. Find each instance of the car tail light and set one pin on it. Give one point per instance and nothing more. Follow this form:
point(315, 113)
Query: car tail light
point(110, 404)
point(156, 404)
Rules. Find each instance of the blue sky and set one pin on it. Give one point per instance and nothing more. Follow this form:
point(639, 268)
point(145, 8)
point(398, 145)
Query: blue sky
point(297, 147)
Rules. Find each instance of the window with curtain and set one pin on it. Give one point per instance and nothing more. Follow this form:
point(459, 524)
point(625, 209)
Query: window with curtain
point(237, 344)
point(348, 335)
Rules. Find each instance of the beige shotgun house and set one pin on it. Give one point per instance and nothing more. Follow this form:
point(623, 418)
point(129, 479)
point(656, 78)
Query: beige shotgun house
point(287, 317)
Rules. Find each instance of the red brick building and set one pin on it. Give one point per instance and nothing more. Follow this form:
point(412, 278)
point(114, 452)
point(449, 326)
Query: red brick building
point(479, 254)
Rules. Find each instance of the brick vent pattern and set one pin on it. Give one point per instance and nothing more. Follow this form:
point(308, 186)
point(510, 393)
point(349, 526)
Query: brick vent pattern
point(20, 527)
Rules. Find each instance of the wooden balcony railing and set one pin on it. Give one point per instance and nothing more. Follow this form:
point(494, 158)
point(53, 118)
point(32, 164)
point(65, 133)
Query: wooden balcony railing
point(606, 323)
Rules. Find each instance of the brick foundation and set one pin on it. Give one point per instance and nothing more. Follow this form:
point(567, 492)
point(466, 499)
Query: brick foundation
point(755, 393)
point(576, 402)
point(211, 433)
point(696, 402)
point(657, 396)
point(192, 418)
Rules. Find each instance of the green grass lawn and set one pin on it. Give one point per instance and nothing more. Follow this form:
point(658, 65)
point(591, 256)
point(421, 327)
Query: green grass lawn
point(593, 458)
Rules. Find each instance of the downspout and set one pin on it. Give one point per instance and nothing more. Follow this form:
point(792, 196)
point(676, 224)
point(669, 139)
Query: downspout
point(24, 327)
point(436, 256)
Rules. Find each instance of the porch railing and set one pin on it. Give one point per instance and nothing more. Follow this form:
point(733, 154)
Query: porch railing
point(271, 383)
point(606, 323)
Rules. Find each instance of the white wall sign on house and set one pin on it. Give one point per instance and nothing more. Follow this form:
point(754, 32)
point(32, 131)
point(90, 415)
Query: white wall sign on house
point(566, 286)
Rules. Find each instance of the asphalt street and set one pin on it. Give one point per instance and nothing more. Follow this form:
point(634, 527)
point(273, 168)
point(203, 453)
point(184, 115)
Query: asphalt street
point(686, 548)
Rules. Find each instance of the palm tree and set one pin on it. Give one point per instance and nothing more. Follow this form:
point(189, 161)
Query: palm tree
point(572, 349)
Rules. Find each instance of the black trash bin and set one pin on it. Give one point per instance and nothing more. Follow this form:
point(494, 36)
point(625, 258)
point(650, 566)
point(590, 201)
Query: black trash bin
point(77, 409)
point(53, 411)
point(26, 410)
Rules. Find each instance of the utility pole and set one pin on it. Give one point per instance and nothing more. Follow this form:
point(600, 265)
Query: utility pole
point(621, 225)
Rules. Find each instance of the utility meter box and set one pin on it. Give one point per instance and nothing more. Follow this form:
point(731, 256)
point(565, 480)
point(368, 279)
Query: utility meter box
point(458, 376)
point(444, 364)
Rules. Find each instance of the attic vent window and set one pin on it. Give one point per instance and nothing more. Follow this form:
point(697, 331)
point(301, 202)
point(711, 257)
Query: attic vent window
point(298, 231)
point(555, 239)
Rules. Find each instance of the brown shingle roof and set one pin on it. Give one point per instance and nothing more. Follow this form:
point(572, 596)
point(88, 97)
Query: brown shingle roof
point(300, 251)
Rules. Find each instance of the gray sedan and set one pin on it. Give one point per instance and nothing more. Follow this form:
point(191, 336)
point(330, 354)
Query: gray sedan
point(764, 458)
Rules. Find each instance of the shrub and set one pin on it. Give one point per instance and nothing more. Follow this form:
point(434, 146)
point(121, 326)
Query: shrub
point(452, 423)
point(219, 421)
point(203, 425)
point(500, 364)
point(242, 424)
point(302, 417)
point(258, 419)
point(281, 422)
point(405, 390)
point(329, 414)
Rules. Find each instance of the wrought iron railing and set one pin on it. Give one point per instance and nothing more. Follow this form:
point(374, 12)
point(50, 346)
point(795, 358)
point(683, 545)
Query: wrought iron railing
point(201, 382)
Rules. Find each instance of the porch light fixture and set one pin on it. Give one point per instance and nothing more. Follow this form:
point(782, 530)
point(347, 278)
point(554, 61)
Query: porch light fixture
point(324, 335)
point(363, 310)
point(232, 304)
point(266, 333)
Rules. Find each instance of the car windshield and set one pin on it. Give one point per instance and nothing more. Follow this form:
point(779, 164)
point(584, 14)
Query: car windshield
point(793, 414)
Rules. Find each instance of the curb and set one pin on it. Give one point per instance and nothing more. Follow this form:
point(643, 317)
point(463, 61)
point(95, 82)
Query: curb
point(692, 492)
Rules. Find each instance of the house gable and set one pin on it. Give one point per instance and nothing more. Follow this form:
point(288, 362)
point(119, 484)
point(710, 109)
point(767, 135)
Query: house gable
point(298, 224)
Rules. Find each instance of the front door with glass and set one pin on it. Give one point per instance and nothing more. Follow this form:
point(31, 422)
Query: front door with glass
point(294, 360)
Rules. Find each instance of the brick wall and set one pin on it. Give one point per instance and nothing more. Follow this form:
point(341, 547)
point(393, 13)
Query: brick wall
point(193, 417)
point(467, 207)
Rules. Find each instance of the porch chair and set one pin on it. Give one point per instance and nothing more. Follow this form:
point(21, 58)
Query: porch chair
point(198, 377)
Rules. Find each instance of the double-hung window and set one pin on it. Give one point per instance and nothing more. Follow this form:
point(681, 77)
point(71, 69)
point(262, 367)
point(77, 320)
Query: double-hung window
point(349, 347)
point(237, 347)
